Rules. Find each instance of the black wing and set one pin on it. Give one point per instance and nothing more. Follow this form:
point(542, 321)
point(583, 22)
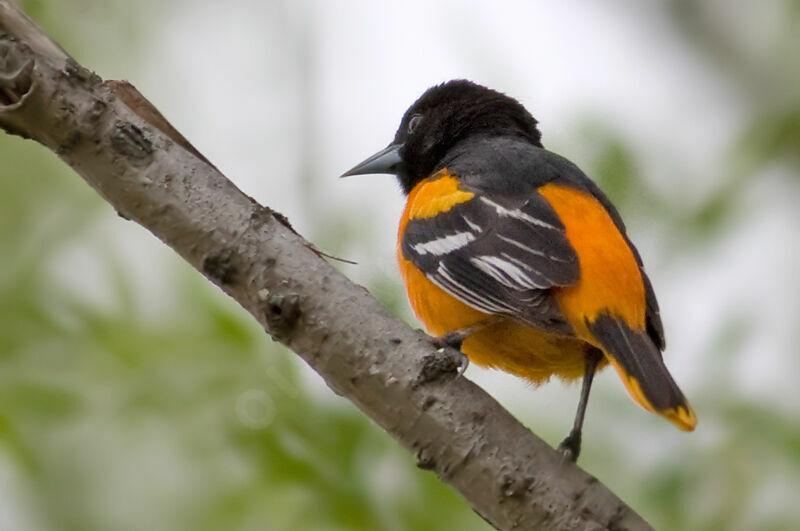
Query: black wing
point(500, 255)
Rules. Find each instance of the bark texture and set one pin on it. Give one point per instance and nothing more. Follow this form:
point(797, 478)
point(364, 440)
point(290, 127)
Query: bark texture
point(122, 146)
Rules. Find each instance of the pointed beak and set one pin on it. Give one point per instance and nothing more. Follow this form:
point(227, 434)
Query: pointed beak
point(385, 161)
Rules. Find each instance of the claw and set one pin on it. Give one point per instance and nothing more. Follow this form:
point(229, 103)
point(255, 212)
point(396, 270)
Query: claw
point(464, 365)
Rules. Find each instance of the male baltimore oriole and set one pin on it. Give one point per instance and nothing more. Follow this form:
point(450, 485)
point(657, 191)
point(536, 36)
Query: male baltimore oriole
point(513, 255)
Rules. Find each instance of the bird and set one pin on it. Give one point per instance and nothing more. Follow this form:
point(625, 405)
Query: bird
point(513, 256)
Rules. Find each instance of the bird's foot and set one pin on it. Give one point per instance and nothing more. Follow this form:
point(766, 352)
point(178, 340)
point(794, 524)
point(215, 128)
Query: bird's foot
point(570, 448)
point(453, 340)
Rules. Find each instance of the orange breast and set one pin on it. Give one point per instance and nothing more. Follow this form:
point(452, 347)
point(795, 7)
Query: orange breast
point(610, 279)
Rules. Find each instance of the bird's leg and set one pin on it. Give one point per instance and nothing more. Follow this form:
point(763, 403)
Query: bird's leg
point(570, 447)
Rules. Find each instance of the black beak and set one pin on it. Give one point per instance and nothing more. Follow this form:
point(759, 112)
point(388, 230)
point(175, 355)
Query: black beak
point(384, 161)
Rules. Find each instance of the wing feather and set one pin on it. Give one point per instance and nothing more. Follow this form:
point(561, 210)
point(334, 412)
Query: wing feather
point(498, 255)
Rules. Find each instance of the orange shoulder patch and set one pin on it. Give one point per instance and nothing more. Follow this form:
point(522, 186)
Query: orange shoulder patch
point(435, 195)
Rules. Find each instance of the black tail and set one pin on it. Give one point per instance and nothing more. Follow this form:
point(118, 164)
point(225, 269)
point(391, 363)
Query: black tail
point(638, 362)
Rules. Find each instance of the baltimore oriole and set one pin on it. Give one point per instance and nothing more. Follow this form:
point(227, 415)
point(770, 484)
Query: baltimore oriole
point(513, 255)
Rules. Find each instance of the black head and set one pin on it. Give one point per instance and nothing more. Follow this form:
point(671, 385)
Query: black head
point(442, 117)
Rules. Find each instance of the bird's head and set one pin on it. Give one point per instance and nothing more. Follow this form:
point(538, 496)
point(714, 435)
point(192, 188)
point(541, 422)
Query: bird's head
point(441, 118)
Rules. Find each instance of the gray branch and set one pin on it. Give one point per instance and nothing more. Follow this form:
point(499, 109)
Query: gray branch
point(122, 146)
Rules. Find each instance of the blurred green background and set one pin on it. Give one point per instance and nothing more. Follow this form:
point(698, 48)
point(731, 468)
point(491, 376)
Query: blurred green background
point(134, 395)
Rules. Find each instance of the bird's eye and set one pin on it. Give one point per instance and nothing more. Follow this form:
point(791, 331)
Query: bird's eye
point(413, 123)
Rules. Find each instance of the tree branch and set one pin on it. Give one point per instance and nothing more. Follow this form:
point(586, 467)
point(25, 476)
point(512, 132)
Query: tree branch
point(124, 148)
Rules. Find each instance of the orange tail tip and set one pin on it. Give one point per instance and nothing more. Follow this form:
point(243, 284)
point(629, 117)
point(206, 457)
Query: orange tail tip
point(641, 368)
point(681, 415)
